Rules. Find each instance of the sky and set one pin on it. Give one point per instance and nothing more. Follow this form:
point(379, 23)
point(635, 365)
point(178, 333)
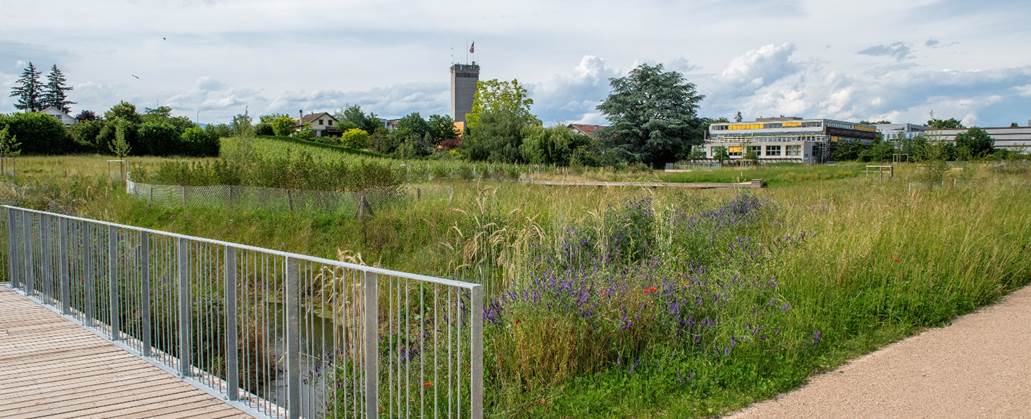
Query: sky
point(212, 59)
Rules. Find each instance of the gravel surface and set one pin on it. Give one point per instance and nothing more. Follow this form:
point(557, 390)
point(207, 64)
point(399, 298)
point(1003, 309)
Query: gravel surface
point(979, 366)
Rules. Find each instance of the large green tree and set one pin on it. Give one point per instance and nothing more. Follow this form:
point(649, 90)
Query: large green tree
point(951, 123)
point(499, 97)
point(653, 114)
point(974, 143)
point(28, 90)
point(354, 117)
point(55, 92)
point(442, 127)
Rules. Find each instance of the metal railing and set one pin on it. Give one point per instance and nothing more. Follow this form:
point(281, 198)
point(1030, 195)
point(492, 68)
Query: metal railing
point(275, 333)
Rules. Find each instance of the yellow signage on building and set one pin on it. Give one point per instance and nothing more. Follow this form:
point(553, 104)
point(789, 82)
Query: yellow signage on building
point(793, 124)
point(734, 149)
point(742, 127)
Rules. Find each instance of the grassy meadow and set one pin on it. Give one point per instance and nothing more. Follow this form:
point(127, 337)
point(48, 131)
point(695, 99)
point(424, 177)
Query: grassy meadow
point(628, 302)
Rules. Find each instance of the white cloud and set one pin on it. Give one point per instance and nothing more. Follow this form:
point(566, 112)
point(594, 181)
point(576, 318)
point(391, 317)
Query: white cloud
point(899, 50)
point(1023, 91)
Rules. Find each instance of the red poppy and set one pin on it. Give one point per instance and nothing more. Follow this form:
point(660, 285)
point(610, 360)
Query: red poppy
point(650, 290)
point(896, 259)
point(517, 322)
point(427, 384)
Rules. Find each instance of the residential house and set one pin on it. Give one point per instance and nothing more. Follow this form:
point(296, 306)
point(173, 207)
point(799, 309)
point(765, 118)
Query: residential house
point(589, 130)
point(65, 119)
point(322, 123)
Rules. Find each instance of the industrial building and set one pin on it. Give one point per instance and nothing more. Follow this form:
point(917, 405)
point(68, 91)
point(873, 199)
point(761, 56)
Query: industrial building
point(896, 133)
point(1017, 139)
point(785, 139)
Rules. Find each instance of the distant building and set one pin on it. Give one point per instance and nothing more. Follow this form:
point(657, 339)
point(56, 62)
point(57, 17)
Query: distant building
point(463, 85)
point(1017, 139)
point(324, 124)
point(785, 139)
point(899, 132)
point(589, 130)
point(65, 119)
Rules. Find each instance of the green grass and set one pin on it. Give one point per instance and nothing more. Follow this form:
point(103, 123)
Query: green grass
point(879, 261)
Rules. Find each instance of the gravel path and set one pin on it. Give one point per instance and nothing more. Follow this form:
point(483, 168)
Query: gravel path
point(979, 366)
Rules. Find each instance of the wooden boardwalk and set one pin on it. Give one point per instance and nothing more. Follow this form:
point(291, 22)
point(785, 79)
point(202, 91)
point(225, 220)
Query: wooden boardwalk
point(51, 367)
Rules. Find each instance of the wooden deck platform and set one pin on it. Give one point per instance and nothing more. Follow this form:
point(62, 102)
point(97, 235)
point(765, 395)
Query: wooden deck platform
point(51, 367)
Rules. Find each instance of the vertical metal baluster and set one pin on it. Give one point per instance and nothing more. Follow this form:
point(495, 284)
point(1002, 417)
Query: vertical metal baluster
point(145, 290)
point(44, 256)
point(371, 345)
point(184, 307)
point(476, 351)
point(89, 290)
point(12, 254)
point(62, 264)
point(112, 273)
point(232, 373)
point(30, 280)
point(293, 386)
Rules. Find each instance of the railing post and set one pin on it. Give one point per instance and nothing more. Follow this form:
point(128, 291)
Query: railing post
point(44, 255)
point(30, 280)
point(232, 371)
point(371, 345)
point(12, 253)
point(112, 278)
point(145, 290)
point(293, 344)
point(87, 250)
point(476, 352)
point(184, 307)
point(62, 264)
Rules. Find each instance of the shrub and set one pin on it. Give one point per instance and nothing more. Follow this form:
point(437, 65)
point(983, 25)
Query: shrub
point(38, 133)
point(304, 133)
point(199, 142)
point(355, 138)
point(283, 125)
point(85, 134)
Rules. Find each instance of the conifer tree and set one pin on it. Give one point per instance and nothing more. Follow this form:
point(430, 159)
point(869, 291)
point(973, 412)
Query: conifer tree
point(55, 92)
point(28, 90)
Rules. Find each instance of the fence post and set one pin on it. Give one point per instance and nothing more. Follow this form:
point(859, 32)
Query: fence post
point(184, 307)
point(293, 345)
point(371, 345)
point(145, 290)
point(112, 278)
point(30, 280)
point(12, 253)
point(62, 261)
point(87, 250)
point(476, 352)
point(232, 371)
point(184, 195)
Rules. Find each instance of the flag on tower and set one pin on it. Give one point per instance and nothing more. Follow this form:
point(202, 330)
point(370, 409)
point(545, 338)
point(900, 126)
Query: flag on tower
point(472, 48)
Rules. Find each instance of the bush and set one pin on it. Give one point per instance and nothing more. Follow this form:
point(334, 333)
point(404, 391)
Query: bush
point(263, 128)
point(85, 134)
point(283, 125)
point(199, 142)
point(304, 133)
point(156, 139)
point(355, 138)
point(38, 133)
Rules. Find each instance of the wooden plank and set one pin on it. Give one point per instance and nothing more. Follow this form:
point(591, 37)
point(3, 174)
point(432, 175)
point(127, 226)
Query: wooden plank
point(125, 405)
point(82, 386)
point(54, 399)
point(184, 409)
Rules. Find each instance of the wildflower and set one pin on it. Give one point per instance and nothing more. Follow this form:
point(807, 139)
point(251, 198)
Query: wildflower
point(517, 322)
point(650, 290)
point(427, 384)
point(896, 259)
point(817, 337)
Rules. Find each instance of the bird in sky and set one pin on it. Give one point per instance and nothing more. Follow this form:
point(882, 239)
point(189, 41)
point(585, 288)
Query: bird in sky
point(164, 39)
point(135, 77)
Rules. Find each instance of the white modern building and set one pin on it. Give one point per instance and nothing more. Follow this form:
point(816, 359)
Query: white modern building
point(784, 139)
point(898, 132)
point(1017, 139)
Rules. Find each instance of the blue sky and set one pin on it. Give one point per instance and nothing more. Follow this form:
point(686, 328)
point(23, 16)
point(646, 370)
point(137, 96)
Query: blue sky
point(875, 59)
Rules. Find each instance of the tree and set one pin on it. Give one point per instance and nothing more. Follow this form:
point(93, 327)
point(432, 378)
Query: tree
point(241, 126)
point(442, 127)
point(720, 154)
point(974, 143)
point(283, 125)
point(353, 117)
point(499, 97)
point(554, 145)
point(738, 117)
point(355, 138)
point(55, 92)
point(28, 90)
point(951, 123)
point(413, 133)
point(653, 114)
point(9, 147)
point(304, 133)
point(197, 141)
point(120, 147)
point(123, 110)
point(85, 134)
point(86, 115)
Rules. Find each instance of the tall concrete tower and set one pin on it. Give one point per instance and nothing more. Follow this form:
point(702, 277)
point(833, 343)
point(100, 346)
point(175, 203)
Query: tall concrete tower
point(463, 85)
